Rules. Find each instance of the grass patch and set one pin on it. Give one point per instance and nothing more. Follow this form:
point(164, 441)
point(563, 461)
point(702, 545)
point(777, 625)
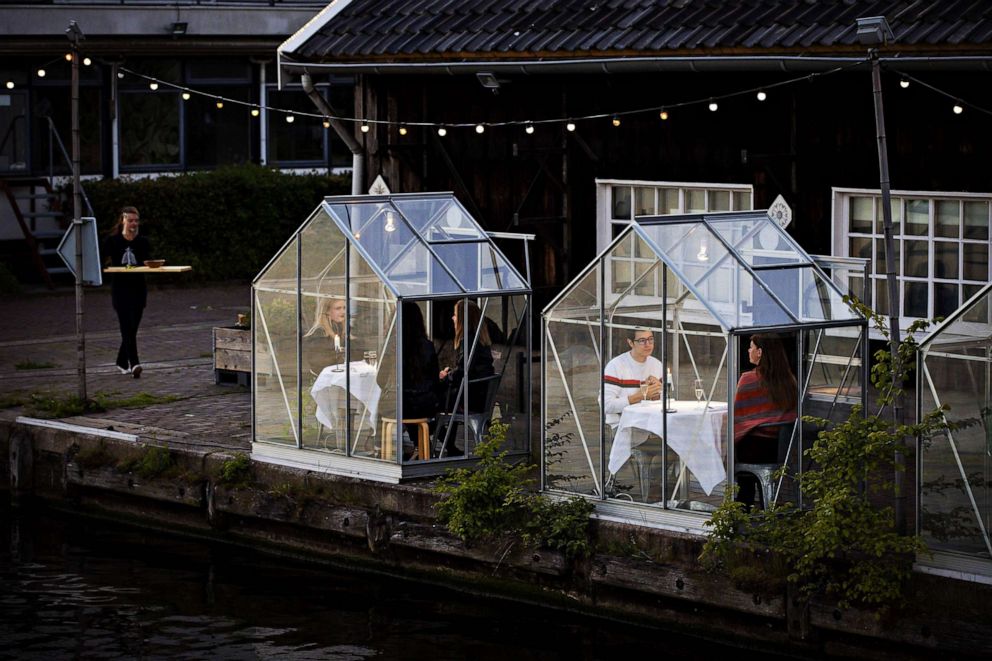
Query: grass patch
point(151, 462)
point(32, 365)
point(11, 399)
point(51, 406)
point(94, 456)
point(235, 472)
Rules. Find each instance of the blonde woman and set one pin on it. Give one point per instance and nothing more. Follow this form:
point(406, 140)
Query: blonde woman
point(326, 335)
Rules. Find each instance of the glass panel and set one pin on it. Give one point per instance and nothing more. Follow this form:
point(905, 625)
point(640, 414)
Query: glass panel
point(719, 200)
point(325, 337)
point(695, 200)
point(915, 304)
point(860, 248)
point(742, 201)
point(451, 223)
point(917, 217)
point(276, 396)
point(758, 240)
point(644, 202)
point(976, 261)
point(571, 347)
point(945, 298)
point(917, 264)
point(668, 200)
point(421, 212)
point(979, 311)
point(149, 125)
point(951, 518)
point(945, 260)
point(947, 218)
point(820, 300)
point(371, 379)
point(621, 206)
point(880, 264)
point(896, 206)
point(862, 214)
point(507, 322)
point(478, 266)
point(882, 296)
point(976, 220)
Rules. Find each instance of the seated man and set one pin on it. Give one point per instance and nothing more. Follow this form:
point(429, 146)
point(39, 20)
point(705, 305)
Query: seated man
point(624, 375)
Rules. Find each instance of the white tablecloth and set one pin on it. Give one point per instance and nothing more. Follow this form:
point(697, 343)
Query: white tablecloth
point(329, 391)
point(693, 433)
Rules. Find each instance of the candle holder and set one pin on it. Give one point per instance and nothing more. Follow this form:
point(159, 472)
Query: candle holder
point(338, 359)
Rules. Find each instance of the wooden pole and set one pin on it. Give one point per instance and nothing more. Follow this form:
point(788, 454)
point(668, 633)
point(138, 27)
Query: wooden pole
point(75, 35)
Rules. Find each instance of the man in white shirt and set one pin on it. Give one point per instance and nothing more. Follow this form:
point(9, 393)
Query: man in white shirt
point(624, 374)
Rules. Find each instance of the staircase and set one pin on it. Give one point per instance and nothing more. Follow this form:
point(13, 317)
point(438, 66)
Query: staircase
point(37, 210)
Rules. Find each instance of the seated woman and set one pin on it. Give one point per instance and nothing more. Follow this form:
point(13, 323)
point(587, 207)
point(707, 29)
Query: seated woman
point(481, 367)
point(319, 341)
point(420, 368)
point(765, 396)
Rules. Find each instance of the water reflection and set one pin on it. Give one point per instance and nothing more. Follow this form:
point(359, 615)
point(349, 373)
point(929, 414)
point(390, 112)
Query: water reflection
point(72, 588)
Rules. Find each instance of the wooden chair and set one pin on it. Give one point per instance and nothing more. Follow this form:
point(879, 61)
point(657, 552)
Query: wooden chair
point(423, 437)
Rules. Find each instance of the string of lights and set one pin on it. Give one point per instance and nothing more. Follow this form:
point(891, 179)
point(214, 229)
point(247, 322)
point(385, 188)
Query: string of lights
point(571, 123)
point(959, 104)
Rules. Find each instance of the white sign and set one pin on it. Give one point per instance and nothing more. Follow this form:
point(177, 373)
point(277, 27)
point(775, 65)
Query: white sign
point(379, 186)
point(780, 212)
point(92, 274)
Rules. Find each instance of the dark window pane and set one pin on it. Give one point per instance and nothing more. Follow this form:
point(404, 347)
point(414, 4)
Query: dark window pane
point(165, 70)
point(149, 124)
point(945, 299)
point(14, 125)
point(881, 297)
point(916, 299)
point(917, 256)
point(945, 260)
point(979, 313)
point(218, 136)
point(917, 217)
point(214, 70)
point(861, 212)
point(880, 264)
point(300, 140)
point(860, 248)
point(976, 261)
point(976, 220)
point(56, 103)
point(621, 202)
point(947, 218)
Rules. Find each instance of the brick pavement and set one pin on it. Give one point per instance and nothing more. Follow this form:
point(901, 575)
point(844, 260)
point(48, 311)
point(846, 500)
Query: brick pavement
point(175, 344)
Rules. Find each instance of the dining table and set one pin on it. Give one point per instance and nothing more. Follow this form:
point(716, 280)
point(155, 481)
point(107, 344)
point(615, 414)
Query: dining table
point(694, 433)
point(330, 390)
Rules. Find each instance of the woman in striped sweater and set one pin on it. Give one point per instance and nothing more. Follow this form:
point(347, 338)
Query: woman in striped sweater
point(765, 396)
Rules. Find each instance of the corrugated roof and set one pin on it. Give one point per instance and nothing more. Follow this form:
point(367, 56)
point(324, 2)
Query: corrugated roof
point(383, 30)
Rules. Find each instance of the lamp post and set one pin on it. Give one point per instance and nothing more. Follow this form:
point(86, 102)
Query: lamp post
point(874, 31)
point(75, 35)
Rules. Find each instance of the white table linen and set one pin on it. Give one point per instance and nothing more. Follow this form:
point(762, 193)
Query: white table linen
point(328, 391)
point(694, 433)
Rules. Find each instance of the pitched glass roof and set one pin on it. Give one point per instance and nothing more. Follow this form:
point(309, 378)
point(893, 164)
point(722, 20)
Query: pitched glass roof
point(421, 244)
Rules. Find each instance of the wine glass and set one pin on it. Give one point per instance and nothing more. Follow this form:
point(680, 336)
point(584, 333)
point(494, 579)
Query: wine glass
point(644, 391)
point(697, 388)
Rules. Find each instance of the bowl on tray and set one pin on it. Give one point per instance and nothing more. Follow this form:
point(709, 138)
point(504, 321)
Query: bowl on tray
point(154, 263)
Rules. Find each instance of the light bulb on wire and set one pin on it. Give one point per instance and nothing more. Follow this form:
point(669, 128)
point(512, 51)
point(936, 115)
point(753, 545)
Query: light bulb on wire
point(713, 106)
point(529, 129)
point(616, 120)
point(570, 126)
point(761, 96)
point(958, 109)
point(327, 124)
point(403, 130)
point(903, 83)
point(290, 119)
point(663, 115)
point(441, 131)
point(480, 129)
point(220, 105)
point(10, 84)
point(254, 112)
point(68, 57)
point(185, 96)
point(41, 73)
point(153, 86)
point(87, 61)
point(390, 222)
point(365, 127)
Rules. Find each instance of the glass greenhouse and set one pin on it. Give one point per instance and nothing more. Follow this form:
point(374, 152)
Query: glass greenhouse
point(955, 468)
point(377, 296)
point(688, 292)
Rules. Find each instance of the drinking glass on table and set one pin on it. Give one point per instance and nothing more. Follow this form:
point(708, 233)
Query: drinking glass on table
point(644, 391)
point(697, 388)
point(370, 358)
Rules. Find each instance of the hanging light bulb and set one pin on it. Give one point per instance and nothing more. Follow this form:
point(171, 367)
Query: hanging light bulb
point(68, 57)
point(570, 126)
point(220, 104)
point(365, 127)
point(703, 255)
point(390, 222)
point(87, 61)
point(480, 129)
point(713, 106)
point(442, 131)
point(958, 109)
point(761, 95)
point(10, 84)
point(403, 130)
point(663, 115)
point(904, 83)
point(327, 124)
point(254, 112)
point(120, 74)
point(290, 119)
point(616, 120)
point(153, 86)
point(529, 129)
point(185, 96)
point(41, 73)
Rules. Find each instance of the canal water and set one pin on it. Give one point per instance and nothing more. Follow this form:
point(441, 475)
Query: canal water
point(75, 588)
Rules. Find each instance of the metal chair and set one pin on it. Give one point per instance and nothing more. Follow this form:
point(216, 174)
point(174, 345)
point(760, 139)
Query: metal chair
point(477, 423)
point(765, 473)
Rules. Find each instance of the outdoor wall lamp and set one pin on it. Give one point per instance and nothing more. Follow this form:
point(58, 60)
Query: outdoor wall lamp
point(874, 30)
point(488, 80)
point(179, 28)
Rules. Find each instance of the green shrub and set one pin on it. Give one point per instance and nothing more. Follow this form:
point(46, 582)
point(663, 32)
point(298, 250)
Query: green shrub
point(226, 223)
point(492, 502)
point(151, 462)
point(235, 472)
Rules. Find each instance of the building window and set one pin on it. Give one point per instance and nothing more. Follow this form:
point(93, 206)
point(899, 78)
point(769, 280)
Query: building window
point(618, 202)
point(941, 246)
point(149, 127)
point(300, 142)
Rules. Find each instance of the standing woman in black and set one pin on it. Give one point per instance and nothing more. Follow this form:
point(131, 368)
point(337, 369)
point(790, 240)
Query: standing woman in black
point(127, 290)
